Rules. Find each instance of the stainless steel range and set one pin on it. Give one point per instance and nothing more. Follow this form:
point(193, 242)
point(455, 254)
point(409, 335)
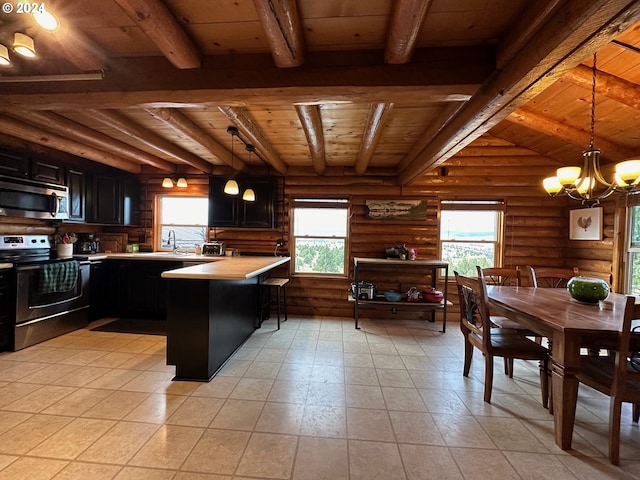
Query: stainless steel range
point(52, 294)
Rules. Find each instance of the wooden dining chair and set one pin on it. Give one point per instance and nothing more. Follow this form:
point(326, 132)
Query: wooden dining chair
point(551, 277)
point(504, 276)
point(615, 376)
point(479, 332)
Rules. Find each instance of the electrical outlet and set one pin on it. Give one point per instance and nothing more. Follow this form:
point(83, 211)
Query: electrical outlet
point(279, 243)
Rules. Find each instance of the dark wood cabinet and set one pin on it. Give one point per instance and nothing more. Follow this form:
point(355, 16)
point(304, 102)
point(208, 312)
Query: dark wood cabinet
point(13, 165)
point(113, 199)
point(76, 181)
point(7, 302)
point(46, 171)
point(231, 211)
point(103, 296)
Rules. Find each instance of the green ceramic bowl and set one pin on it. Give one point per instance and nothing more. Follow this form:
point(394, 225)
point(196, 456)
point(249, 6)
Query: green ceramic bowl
point(587, 289)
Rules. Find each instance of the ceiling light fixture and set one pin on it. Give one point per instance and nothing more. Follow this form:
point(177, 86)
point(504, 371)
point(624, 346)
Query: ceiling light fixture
point(167, 183)
point(182, 183)
point(46, 20)
point(23, 44)
point(588, 185)
point(4, 55)
point(231, 187)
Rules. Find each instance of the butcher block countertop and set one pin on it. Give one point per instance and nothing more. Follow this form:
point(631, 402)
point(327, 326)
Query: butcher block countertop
point(227, 268)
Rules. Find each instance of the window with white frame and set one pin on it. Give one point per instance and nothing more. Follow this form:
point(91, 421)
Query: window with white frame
point(633, 252)
point(320, 236)
point(471, 234)
point(181, 222)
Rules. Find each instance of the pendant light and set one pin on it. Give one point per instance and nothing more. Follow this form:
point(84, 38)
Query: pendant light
point(23, 44)
point(231, 187)
point(587, 184)
point(249, 195)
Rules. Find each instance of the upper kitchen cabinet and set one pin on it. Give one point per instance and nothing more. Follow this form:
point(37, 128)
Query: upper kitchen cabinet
point(13, 165)
point(76, 181)
point(46, 171)
point(113, 199)
point(231, 211)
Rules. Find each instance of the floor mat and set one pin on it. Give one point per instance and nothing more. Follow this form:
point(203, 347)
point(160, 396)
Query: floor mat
point(141, 326)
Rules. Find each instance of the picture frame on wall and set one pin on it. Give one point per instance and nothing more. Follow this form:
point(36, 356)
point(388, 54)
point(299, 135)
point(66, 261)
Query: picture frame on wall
point(585, 224)
point(412, 210)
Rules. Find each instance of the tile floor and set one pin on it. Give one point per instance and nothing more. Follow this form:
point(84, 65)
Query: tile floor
point(315, 400)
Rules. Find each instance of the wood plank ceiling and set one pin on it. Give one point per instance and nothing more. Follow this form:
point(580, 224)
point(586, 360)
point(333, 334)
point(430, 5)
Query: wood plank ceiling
point(325, 88)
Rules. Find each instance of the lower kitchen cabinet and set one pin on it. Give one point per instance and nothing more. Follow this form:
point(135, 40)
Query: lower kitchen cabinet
point(103, 297)
point(7, 301)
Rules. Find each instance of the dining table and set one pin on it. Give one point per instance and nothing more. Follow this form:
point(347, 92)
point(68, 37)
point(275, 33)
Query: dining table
point(571, 327)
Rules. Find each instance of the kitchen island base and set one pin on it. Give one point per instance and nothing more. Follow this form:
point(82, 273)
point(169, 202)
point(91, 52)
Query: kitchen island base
point(207, 321)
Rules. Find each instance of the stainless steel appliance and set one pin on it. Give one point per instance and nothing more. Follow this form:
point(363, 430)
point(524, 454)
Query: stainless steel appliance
point(363, 291)
point(27, 198)
point(51, 294)
point(87, 244)
point(213, 248)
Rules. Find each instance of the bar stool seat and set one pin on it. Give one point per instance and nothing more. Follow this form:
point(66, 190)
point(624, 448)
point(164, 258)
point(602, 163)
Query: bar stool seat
point(280, 284)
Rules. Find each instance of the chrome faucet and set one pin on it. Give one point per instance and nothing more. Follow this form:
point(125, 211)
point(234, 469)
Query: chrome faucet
point(172, 233)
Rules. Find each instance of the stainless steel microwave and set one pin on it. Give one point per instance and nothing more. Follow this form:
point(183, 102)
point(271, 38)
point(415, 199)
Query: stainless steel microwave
point(31, 199)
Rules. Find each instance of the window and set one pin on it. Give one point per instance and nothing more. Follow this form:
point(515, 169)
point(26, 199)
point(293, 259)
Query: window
point(633, 252)
point(186, 217)
point(470, 235)
point(320, 230)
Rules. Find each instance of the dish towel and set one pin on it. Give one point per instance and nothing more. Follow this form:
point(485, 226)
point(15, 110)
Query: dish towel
point(58, 277)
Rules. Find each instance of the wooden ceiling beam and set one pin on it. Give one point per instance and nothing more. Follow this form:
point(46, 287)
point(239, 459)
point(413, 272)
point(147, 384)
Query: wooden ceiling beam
point(406, 20)
point(569, 36)
point(376, 119)
point(241, 118)
point(177, 120)
point(311, 121)
point(283, 27)
point(576, 136)
point(433, 75)
point(528, 23)
point(18, 128)
point(610, 86)
point(156, 20)
point(121, 123)
point(68, 128)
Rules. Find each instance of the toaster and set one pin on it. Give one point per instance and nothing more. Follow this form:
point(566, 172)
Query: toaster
point(213, 248)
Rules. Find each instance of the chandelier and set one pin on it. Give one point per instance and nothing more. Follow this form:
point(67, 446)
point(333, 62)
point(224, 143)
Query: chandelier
point(587, 184)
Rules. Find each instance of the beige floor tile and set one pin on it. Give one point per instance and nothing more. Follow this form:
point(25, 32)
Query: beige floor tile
point(268, 455)
point(117, 405)
point(329, 359)
point(269, 355)
point(119, 444)
point(49, 374)
point(83, 357)
point(202, 476)
point(388, 361)
point(423, 462)
point(6, 460)
point(295, 371)
point(74, 438)
point(472, 462)
point(196, 411)
point(252, 389)
point(112, 359)
point(324, 421)
point(258, 369)
point(280, 418)
point(113, 379)
point(358, 360)
point(234, 368)
point(13, 391)
point(415, 427)
point(219, 387)
point(375, 460)
point(405, 399)
point(88, 471)
point(29, 433)
point(142, 361)
point(326, 394)
point(32, 469)
point(321, 459)
point(81, 376)
point(289, 391)
point(8, 420)
point(148, 381)
point(532, 466)
point(394, 378)
point(156, 408)
point(364, 396)
point(40, 399)
point(139, 473)
point(367, 424)
point(360, 376)
point(78, 402)
point(238, 414)
point(463, 431)
point(168, 447)
point(217, 451)
point(511, 435)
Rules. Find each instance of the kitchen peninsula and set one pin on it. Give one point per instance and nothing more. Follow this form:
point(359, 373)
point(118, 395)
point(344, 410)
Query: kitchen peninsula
point(212, 308)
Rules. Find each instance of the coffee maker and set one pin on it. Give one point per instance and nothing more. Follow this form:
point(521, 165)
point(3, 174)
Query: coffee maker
point(87, 243)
